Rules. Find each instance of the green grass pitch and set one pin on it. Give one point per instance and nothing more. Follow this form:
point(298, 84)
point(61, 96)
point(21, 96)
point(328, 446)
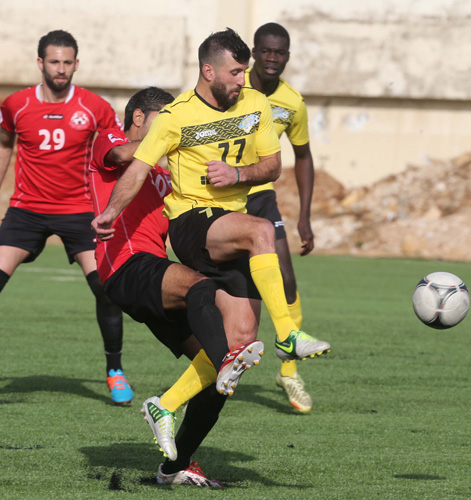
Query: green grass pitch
point(391, 401)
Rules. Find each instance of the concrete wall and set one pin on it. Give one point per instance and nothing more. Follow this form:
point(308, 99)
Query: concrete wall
point(361, 140)
point(386, 82)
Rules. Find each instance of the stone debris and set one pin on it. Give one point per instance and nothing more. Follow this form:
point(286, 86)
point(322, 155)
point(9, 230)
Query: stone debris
point(423, 212)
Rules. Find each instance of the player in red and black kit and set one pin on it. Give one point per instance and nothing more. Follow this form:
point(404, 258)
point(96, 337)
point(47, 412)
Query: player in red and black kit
point(138, 276)
point(55, 123)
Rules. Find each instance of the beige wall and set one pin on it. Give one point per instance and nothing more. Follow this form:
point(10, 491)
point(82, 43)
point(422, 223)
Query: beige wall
point(386, 82)
point(360, 141)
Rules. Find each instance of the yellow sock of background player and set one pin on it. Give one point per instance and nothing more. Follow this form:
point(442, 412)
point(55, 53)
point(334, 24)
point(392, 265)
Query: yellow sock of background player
point(266, 274)
point(289, 368)
point(199, 375)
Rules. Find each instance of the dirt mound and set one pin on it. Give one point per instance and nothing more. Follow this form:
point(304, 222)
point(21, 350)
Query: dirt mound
point(423, 212)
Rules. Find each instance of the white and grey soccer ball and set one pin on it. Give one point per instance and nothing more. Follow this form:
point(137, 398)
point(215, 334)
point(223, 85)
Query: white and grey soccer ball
point(441, 300)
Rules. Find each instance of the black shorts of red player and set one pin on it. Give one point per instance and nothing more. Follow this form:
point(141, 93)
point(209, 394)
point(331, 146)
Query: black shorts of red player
point(188, 239)
point(136, 287)
point(29, 231)
point(263, 204)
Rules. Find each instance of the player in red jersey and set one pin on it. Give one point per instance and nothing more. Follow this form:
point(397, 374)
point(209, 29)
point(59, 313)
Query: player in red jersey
point(153, 290)
point(55, 123)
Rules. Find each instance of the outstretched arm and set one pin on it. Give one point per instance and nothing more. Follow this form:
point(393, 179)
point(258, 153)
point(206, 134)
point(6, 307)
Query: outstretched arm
point(304, 172)
point(123, 193)
point(7, 140)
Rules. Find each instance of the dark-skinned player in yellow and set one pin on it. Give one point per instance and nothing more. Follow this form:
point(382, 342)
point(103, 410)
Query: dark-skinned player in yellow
point(270, 54)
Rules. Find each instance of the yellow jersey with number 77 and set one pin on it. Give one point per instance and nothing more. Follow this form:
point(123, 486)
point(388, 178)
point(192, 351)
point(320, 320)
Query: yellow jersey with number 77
point(190, 132)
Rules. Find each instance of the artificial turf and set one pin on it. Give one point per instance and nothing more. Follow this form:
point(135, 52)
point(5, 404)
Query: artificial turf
point(391, 401)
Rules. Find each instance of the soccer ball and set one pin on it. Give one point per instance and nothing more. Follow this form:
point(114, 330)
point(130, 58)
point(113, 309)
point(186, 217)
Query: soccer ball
point(441, 300)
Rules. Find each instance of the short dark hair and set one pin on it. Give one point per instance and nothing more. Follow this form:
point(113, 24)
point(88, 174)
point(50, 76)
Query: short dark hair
point(274, 29)
point(218, 42)
point(147, 100)
point(60, 38)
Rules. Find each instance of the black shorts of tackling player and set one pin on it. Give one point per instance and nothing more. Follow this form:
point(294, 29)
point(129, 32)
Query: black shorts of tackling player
point(136, 287)
point(29, 231)
point(263, 204)
point(188, 238)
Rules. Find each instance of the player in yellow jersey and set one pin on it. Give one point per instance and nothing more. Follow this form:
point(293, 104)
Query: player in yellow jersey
point(271, 53)
point(219, 140)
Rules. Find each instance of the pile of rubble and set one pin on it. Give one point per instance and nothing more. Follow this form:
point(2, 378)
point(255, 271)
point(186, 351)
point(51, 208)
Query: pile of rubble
point(423, 212)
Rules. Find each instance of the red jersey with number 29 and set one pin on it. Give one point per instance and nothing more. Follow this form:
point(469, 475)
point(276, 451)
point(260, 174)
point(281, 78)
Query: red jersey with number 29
point(141, 227)
point(54, 145)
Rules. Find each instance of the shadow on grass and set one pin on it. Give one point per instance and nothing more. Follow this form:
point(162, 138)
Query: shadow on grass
point(118, 462)
point(258, 394)
point(48, 383)
point(419, 477)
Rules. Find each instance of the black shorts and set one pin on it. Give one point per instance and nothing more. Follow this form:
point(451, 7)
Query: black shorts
point(188, 238)
point(263, 204)
point(136, 287)
point(29, 231)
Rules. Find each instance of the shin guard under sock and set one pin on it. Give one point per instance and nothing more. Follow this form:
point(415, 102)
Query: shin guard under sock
point(206, 321)
point(266, 274)
point(110, 321)
point(201, 415)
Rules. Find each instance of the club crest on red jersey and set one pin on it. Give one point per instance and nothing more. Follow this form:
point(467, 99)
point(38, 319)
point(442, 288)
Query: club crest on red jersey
point(79, 120)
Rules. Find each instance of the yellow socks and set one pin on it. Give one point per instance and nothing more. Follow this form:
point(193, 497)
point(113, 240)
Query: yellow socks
point(289, 368)
point(199, 375)
point(266, 274)
point(296, 312)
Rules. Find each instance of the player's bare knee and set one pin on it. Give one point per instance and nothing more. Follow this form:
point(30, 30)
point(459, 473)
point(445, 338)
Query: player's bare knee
point(263, 236)
point(177, 282)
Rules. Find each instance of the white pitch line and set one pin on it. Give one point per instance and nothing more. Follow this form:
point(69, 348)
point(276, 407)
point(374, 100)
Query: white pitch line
point(65, 278)
point(49, 270)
